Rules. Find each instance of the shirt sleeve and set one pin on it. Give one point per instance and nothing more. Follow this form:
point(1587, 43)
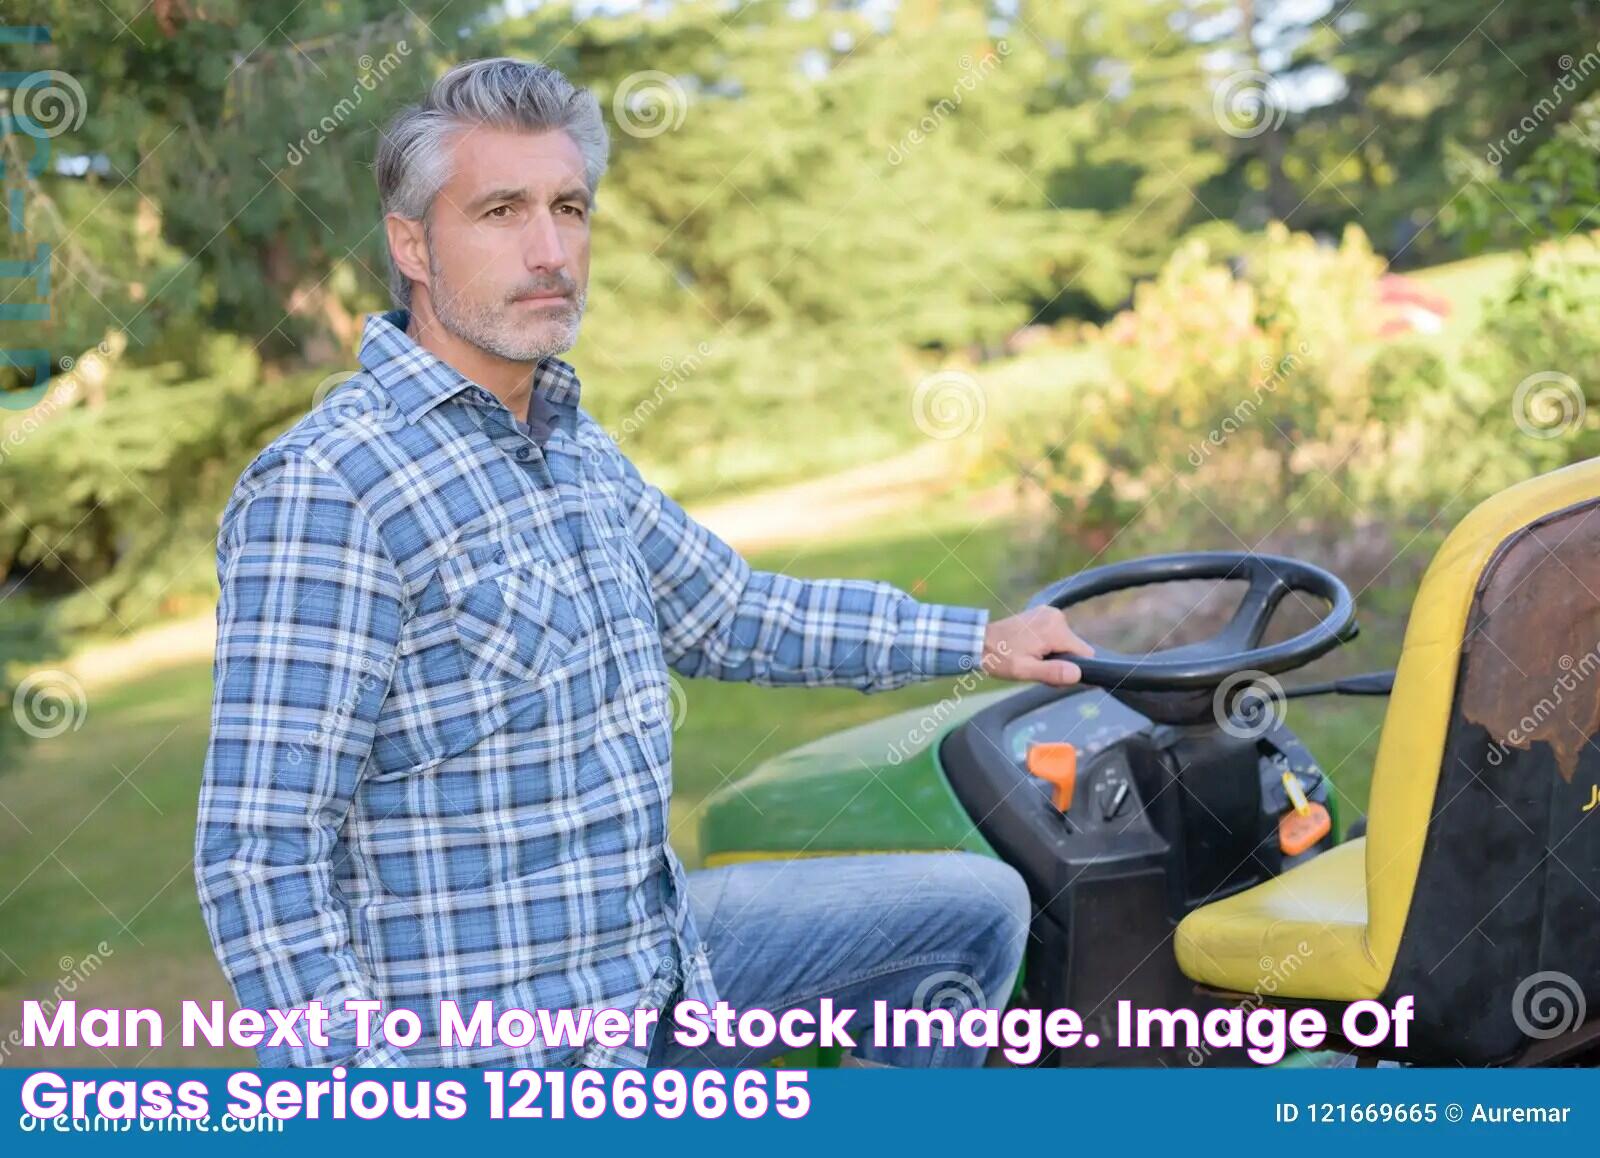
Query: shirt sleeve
point(722, 619)
point(307, 628)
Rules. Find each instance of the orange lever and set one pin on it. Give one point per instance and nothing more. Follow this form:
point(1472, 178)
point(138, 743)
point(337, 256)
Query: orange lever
point(1058, 764)
point(1298, 831)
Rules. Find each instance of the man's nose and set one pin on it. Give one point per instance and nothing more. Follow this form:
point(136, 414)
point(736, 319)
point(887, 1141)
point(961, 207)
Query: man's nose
point(542, 245)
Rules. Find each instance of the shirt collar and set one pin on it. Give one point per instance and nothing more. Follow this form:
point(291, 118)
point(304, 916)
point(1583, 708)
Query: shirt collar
point(419, 381)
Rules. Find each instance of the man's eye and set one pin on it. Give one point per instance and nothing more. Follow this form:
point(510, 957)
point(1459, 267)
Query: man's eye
point(574, 210)
point(500, 211)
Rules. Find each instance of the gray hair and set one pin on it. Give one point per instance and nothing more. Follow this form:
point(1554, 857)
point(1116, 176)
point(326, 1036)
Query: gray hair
point(412, 164)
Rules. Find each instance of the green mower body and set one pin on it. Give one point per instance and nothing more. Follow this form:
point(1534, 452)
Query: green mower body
point(878, 787)
point(1163, 817)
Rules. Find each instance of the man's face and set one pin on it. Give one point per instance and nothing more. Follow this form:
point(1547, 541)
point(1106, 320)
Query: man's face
point(508, 243)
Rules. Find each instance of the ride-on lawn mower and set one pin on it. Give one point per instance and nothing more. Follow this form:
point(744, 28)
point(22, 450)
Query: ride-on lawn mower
point(1181, 845)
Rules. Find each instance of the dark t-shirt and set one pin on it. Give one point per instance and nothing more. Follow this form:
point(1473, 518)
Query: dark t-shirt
point(537, 424)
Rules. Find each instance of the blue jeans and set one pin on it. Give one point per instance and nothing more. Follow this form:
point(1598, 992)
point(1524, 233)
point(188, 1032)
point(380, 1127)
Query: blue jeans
point(917, 930)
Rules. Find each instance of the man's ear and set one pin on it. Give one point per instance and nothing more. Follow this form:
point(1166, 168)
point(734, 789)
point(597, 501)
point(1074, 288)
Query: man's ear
point(408, 246)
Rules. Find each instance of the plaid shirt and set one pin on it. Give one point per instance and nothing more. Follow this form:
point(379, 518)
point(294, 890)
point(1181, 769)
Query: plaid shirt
point(441, 734)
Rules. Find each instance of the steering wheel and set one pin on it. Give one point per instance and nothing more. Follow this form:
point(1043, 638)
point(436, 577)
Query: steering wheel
point(1237, 647)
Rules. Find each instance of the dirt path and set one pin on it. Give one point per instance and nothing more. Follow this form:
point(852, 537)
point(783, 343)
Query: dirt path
point(826, 508)
point(835, 505)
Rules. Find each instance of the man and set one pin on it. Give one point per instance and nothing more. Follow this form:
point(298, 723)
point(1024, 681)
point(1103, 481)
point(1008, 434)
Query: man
point(440, 759)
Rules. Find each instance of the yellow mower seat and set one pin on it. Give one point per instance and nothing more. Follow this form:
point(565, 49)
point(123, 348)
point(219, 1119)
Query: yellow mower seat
point(1312, 919)
point(1477, 886)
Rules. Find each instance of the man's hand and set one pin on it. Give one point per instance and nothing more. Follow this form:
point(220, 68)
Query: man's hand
point(1014, 648)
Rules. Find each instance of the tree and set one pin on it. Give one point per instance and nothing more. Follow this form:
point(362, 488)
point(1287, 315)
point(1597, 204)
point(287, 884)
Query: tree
point(805, 213)
point(1420, 81)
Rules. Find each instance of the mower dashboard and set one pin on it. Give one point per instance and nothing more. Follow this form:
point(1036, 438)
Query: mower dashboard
point(1070, 784)
point(1091, 721)
point(1120, 825)
point(1095, 725)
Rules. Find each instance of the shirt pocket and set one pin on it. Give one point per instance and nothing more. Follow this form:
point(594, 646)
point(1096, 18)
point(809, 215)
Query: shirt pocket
point(510, 612)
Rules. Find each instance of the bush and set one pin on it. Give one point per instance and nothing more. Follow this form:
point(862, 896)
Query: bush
point(1541, 350)
point(1249, 393)
point(1539, 347)
point(24, 641)
point(112, 500)
point(1234, 402)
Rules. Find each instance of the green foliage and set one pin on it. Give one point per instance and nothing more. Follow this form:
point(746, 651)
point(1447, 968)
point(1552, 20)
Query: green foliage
point(193, 214)
point(804, 215)
point(112, 507)
point(785, 252)
point(1549, 193)
point(1541, 348)
point(26, 637)
point(1237, 404)
point(784, 257)
point(1538, 349)
point(1252, 394)
point(1411, 87)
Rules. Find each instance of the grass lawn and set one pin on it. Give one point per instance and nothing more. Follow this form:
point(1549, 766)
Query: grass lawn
point(1470, 285)
point(1475, 285)
point(97, 896)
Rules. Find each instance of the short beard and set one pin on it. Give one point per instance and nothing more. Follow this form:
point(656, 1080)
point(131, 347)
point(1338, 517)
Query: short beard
point(493, 330)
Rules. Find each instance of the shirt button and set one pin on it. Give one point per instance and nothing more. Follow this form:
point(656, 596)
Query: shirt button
point(524, 454)
point(499, 556)
point(669, 964)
